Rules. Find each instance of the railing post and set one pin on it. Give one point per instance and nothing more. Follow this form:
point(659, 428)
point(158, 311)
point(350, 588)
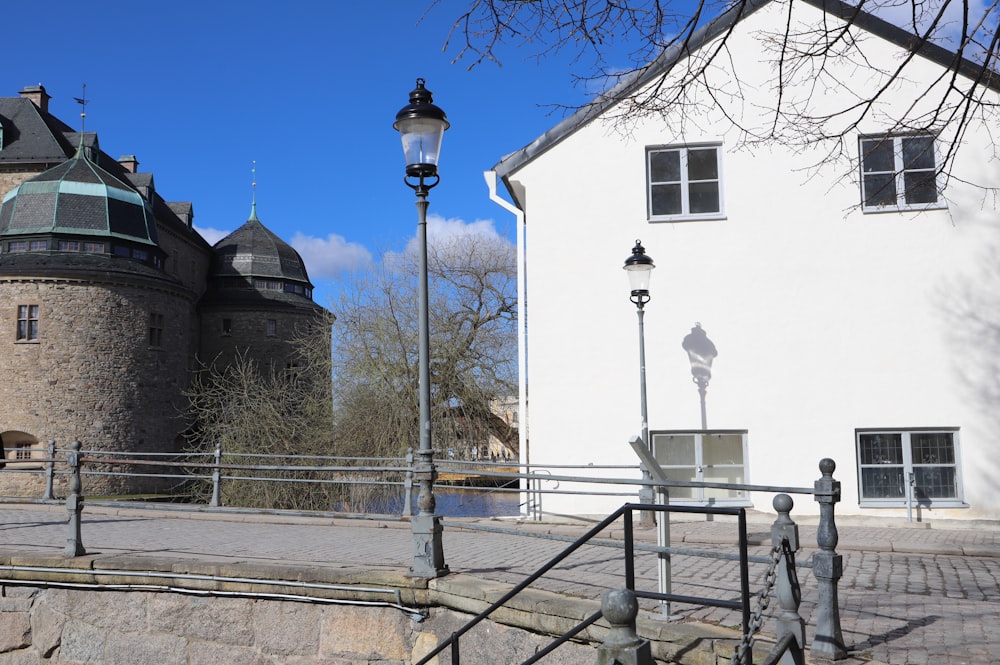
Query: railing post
point(790, 622)
point(828, 568)
point(50, 470)
point(408, 485)
point(217, 478)
point(74, 502)
point(622, 646)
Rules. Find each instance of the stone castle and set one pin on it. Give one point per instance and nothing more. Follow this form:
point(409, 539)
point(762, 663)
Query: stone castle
point(112, 300)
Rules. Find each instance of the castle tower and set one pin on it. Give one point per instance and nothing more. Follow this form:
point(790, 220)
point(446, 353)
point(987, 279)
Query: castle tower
point(259, 297)
point(99, 334)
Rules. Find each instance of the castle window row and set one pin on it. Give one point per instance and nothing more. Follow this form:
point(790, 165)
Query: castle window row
point(87, 247)
point(268, 285)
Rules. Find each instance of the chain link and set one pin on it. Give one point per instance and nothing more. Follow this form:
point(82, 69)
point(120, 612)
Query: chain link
point(757, 616)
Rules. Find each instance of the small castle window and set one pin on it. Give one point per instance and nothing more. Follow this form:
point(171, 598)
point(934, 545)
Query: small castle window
point(38, 245)
point(94, 247)
point(227, 326)
point(272, 327)
point(140, 254)
point(155, 330)
point(27, 323)
point(17, 246)
point(122, 251)
point(69, 245)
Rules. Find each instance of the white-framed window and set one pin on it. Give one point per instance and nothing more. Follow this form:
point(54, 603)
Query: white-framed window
point(716, 456)
point(684, 182)
point(900, 465)
point(899, 173)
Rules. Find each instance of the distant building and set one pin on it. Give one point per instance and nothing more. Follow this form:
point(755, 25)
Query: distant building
point(112, 299)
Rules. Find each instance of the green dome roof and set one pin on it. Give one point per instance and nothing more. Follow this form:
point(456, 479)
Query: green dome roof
point(77, 197)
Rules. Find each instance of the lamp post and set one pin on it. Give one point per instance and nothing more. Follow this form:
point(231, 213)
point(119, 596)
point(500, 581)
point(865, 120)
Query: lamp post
point(701, 352)
point(639, 267)
point(421, 127)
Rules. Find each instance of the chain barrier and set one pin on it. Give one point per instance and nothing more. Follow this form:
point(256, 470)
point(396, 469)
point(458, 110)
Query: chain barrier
point(748, 640)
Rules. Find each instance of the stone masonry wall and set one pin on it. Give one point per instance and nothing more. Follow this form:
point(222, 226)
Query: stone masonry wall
point(92, 375)
point(79, 627)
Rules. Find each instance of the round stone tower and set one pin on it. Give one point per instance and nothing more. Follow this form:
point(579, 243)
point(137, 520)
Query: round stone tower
point(100, 337)
point(259, 298)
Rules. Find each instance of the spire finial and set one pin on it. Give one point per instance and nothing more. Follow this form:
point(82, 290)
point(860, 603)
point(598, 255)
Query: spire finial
point(253, 190)
point(82, 101)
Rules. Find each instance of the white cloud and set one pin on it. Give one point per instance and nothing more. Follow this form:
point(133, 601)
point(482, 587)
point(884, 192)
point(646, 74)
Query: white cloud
point(440, 231)
point(328, 257)
point(211, 235)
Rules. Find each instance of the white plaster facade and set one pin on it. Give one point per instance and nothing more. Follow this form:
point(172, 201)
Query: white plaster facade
point(827, 320)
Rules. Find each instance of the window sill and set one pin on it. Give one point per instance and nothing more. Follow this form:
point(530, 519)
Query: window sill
point(687, 218)
point(917, 208)
point(896, 503)
point(27, 341)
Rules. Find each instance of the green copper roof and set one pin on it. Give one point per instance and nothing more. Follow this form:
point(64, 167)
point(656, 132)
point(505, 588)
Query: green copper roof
point(77, 197)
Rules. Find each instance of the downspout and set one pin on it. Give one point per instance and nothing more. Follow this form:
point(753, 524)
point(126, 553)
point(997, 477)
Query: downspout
point(522, 316)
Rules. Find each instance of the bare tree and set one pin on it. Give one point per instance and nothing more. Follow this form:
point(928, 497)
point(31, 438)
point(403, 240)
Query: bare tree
point(251, 410)
point(655, 57)
point(472, 344)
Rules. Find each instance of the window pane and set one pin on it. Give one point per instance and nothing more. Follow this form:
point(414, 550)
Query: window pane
point(877, 155)
point(881, 448)
point(702, 164)
point(932, 448)
point(666, 199)
point(674, 450)
point(935, 482)
point(918, 152)
point(722, 449)
point(880, 190)
point(684, 475)
point(703, 197)
point(665, 166)
point(728, 474)
point(882, 483)
point(921, 186)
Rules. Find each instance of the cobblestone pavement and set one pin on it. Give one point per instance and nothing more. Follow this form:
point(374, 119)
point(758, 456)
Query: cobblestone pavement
point(908, 596)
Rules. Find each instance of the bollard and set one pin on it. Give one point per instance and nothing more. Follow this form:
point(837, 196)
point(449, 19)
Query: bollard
point(622, 646)
point(217, 478)
point(50, 469)
point(828, 568)
point(74, 502)
point(789, 594)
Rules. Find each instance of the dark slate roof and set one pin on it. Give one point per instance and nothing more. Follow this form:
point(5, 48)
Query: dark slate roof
point(716, 27)
point(78, 197)
point(254, 251)
point(78, 265)
point(29, 135)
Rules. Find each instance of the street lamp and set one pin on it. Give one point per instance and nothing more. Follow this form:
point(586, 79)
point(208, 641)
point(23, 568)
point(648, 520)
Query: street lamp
point(421, 127)
point(701, 352)
point(639, 267)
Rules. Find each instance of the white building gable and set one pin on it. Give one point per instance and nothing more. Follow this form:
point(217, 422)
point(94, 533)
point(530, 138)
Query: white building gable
point(860, 333)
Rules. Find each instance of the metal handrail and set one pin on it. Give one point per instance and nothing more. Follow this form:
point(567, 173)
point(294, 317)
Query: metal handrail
point(624, 512)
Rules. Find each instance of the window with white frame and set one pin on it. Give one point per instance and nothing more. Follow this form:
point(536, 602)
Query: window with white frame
point(918, 465)
point(684, 182)
point(717, 456)
point(899, 173)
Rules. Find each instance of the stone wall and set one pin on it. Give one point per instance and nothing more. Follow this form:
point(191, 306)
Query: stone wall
point(92, 375)
point(75, 627)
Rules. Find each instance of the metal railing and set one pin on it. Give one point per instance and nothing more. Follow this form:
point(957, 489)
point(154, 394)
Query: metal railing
point(76, 464)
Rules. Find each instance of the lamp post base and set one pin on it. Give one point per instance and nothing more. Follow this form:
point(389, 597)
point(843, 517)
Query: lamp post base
point(428, 552)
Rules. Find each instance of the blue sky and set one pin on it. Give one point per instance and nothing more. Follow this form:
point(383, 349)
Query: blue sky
point(198, 91)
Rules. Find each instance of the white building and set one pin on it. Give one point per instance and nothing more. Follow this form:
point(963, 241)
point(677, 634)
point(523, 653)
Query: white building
point(853, 299)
